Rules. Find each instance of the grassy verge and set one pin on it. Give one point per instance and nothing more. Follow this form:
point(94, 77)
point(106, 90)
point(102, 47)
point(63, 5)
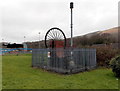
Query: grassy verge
point(18, 74)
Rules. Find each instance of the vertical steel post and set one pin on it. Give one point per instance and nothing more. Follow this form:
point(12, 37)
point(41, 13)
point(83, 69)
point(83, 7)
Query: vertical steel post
point(71, 61)
point(71, 7)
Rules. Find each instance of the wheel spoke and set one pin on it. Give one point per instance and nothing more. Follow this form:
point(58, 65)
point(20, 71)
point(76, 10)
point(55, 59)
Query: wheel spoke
point(51, 32)
point(54, 34)
point(60, 36)
point(50, 35)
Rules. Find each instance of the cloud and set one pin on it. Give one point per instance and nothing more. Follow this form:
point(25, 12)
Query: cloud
point(28, 17)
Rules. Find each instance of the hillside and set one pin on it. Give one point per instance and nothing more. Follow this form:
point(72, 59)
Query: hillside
point(112, 31)
point(98, 37)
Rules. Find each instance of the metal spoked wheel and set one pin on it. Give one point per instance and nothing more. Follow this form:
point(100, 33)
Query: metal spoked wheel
point(54, 34)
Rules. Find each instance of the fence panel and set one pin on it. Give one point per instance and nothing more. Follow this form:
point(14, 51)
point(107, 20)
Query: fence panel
point(64, 60)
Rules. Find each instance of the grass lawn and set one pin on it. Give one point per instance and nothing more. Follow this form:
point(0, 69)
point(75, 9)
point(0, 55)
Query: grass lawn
point(18, 74)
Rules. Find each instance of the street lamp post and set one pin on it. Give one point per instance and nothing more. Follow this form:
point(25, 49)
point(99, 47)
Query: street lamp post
point(24, 39)
point(24, 44)
point(71, 7)
point(2, 40)
point(2, 43)
point(71, 61)
point(39, 39)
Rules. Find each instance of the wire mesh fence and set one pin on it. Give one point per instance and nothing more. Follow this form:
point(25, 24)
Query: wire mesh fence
point(64, 60)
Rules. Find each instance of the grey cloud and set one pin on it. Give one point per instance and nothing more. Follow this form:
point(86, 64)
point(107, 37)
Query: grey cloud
point(28, 17)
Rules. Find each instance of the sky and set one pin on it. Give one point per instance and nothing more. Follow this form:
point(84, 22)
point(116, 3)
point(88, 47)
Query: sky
point(27, 18)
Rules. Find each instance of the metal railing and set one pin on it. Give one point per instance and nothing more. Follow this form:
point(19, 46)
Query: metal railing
point(59, 60)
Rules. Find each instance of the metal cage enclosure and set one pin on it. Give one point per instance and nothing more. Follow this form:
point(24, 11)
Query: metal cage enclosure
point(59, 60)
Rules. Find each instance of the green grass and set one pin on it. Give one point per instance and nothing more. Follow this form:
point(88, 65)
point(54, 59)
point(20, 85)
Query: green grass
point(18, 74)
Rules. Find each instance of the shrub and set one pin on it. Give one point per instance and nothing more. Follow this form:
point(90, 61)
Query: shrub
point(104, 54)
point(115, 64)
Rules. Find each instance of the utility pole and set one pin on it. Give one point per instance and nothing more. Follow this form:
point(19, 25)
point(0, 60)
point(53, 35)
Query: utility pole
point(39, 39)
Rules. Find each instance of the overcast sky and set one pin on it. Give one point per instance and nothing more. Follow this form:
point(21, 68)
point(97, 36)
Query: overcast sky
point(21, 18)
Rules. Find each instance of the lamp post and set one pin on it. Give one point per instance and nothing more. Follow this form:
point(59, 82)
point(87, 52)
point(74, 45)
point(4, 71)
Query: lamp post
point(24, 39)
point(71, 7)
point(2, 40)
point(71, 61)
point(39, 39)
point(24, 44)
point(2, 43)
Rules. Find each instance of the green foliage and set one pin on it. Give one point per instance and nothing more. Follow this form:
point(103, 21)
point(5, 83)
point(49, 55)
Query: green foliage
point(104, 55)
point(18, 74)
point(115, 64)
